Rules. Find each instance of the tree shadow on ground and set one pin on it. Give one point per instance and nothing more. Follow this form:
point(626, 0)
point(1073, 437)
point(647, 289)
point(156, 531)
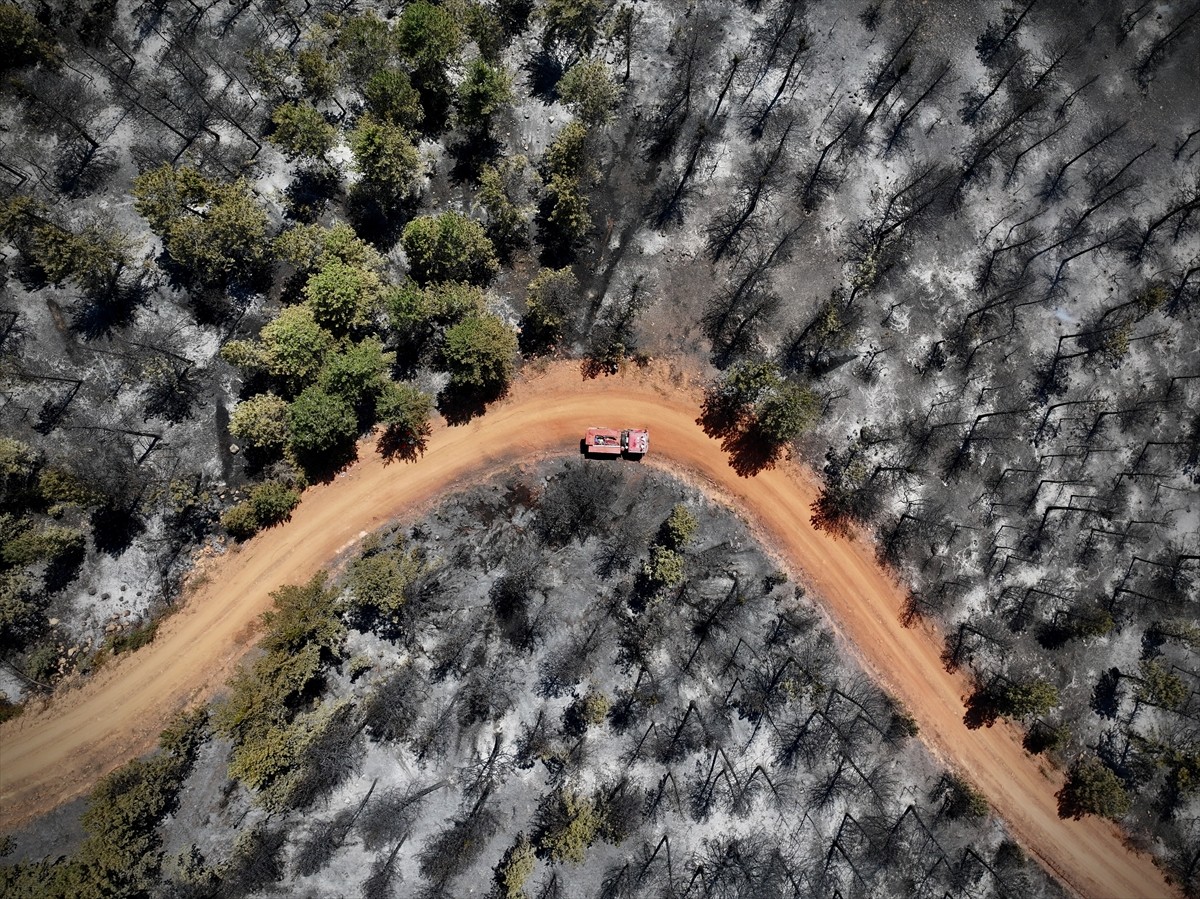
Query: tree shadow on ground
point(114, 528)
point(545, 70)
point(321, 468)
point(459, 405)
point(748, 449)
point(310, 192)
point(377, 218)
point(100, 315)
point(981, 710)
point(471, 154)
point(402, 444)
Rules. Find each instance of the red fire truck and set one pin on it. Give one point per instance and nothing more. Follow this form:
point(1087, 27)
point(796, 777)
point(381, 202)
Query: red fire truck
point(632, 442)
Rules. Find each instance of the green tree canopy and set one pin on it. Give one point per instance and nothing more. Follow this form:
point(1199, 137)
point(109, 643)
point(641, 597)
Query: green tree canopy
point(386, 158)
point(215, 231)
point(273, 502)
point(304, 615)
point(92, 258)
point(663, 569)
point(301, 131)
point(364, 45)
point(320, 423)
point(478, 353)
point(311, 247)
point(569, 155)
point(786, 412)
point(449, 247)
point(22, 42)
point(590, 91)
point(483, 92)
point(293, 347)
point(1022, 699)
point(574, 24)
point(261, 422)
point(427, 36)
point(393, 100)
point(341, 296)
point(680, 527)
point(553, 293)
point(380, 579)
point(571, 823)
point(508, 191)
point(357, 372)
point(1093, 789)
point(405, 409)
point(411, 307)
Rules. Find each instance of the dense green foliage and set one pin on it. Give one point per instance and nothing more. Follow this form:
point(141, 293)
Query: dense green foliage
point(301, 131)
point(479, 353)
point(591, 91)
point(1093, 789)
point(449, 247)
point(319, 423)
point(215, 231)
point(482, 93)
point(552, 296)
point(261, 422)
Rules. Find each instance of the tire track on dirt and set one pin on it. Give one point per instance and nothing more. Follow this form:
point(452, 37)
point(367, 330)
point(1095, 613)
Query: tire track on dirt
point(56, 753)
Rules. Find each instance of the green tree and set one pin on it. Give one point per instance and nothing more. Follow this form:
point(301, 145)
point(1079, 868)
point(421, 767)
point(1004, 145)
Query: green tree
point(18, 469)
point(379, 579)
point(364, 45)
point(569, 155)
point(1093, 789)
point(261, 422)
point(507, 191)
point(22, 618)
point(427, 36)
point(483, 92)
point(386, 158)
point(318, 74)
point(574, 24)
point(449, 247)
point(1031, 697)
point(312, 247)
point(552, 295)
point(22, 42)
point(786, 412)
point(273, 502)
point(293, 347)
point(341, 296)
point(93, 258)
point(515, 869)
point(680, 527)
point(663, 569)
point(320, 423)
point(305, 615)
point(301, 131)
point(391, 99)
point(357, 372)
point(405, 410)
point(570, 211)
point(570, 825)
point(590, 91)
point(478, 353)
point(215, 231)
point(1160, 686)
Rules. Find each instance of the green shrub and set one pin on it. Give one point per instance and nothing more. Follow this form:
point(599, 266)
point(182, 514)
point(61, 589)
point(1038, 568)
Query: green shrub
point(240, 521)
point(273, 502)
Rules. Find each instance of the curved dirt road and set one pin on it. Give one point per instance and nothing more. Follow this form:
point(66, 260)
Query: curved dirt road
point(51, 756)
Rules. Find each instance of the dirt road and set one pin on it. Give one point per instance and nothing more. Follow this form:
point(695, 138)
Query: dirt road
point(52, 755)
